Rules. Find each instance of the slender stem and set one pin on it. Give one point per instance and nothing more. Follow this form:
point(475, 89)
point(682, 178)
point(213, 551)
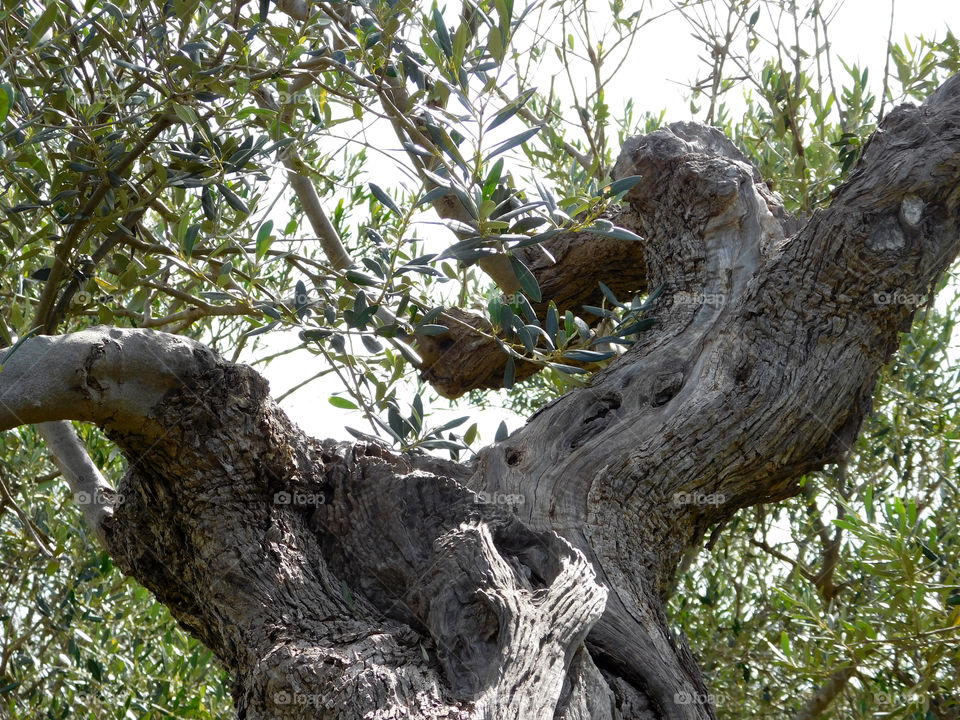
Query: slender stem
point(35, 532)
point(89, 487)
point(886, 66)
point(826, 693)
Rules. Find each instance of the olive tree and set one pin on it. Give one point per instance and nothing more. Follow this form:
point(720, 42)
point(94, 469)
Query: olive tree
point(731, 346)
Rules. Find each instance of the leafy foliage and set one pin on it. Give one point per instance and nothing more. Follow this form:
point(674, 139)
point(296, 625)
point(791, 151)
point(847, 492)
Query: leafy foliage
point(860, 574)
point(78, 639)
point(349, 170)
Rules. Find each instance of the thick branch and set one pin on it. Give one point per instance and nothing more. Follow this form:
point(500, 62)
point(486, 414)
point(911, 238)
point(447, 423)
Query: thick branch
point(764, 361)
point(107, 376)
point(307, 567)
point(568, 269)
point(769, 347)
point(297, 9)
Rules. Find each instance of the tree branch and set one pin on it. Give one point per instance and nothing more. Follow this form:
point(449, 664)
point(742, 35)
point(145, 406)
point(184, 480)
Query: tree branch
point(818, 703)
point(304, 188)
point(39, 537)
point(568, 268)
point(90, 489)
point(44, 314)
point(104, 375)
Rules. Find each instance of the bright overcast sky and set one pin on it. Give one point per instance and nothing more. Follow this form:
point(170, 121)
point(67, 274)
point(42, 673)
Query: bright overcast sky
point(668, 55)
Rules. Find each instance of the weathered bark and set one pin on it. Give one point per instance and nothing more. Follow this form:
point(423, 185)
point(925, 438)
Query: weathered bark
point(332, 580)
point(344, 581)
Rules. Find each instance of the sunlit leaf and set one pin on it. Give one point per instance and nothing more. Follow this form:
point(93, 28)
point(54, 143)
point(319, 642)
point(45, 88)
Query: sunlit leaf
point(342, 403)
point(384, 199)
point(526, 279)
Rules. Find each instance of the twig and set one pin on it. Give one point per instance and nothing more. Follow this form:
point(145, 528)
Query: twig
point(34, 531)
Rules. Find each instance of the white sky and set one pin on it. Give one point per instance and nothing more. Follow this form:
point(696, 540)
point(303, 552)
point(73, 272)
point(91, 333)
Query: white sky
point(663, 60)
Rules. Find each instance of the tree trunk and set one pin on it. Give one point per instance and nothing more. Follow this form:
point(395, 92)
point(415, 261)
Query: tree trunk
point(341, 580)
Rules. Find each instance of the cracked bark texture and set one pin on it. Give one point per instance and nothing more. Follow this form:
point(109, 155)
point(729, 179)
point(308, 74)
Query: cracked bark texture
point(340, 580)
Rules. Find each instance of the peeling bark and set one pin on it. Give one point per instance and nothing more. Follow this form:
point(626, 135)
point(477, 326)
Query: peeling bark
point(345, 581)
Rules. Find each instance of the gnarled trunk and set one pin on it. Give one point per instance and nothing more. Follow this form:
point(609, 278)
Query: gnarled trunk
point(344, 581)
